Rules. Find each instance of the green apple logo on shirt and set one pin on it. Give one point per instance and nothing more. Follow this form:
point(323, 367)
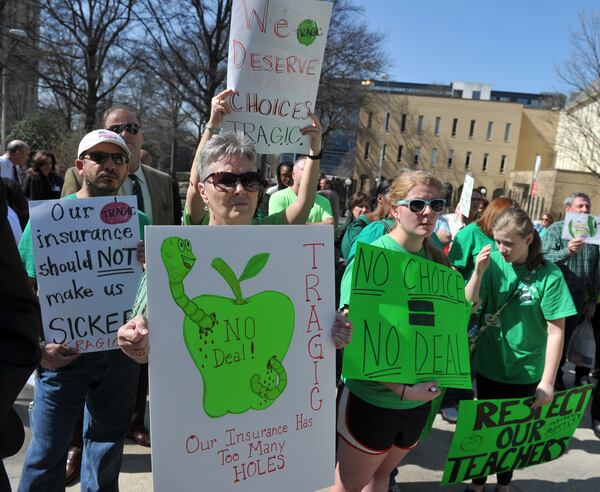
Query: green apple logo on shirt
point(239, 348)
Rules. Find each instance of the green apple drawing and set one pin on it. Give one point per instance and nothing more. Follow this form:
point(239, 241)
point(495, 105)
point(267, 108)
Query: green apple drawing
point(239, 348)
point(580, 229)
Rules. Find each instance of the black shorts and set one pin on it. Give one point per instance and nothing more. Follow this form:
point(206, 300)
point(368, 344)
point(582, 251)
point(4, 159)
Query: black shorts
point(374, 430)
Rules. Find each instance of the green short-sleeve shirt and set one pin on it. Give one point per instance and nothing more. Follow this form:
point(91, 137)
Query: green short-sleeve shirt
point(466, 245)
point(374, 392)
point(514, 351)
point(275, 219)
point(282, 199)
point(26, 245)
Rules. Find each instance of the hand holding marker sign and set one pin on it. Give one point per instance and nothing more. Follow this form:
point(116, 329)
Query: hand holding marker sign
point(274, 64)
point(85, 251)
point(582, 226)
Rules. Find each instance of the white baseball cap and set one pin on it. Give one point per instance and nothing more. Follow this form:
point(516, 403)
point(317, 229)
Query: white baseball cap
point(100, 136)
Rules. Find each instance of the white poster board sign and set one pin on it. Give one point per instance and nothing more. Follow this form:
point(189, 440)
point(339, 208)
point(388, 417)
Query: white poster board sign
point(242, 364)
point(465, 196)
point(86, 267)
point(274, 63)
point(583, 226)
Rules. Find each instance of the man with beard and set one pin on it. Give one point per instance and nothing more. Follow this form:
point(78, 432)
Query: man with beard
point(105, 381)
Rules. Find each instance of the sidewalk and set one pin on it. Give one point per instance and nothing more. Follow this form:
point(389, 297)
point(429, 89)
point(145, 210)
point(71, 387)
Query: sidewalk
point(578, 470)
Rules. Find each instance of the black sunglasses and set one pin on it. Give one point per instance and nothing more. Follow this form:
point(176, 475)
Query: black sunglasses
point(132, 128)
point(226, 181)
point(102, 157)
point(418, 205)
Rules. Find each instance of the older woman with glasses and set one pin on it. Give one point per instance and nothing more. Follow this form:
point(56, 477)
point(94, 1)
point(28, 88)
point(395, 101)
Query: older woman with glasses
point(224, 190)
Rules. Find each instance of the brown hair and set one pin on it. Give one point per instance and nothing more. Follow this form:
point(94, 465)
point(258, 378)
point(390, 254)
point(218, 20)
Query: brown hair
point(359, 198)
point(517, 219)
point(40, 158)
point(495, 208)
point(401, 186)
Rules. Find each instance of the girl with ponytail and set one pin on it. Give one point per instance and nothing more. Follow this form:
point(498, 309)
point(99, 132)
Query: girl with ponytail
point(523, 302)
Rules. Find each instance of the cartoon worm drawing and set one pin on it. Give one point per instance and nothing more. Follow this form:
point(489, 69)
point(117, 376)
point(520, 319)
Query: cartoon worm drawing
point(178, 259)
point(264, 391)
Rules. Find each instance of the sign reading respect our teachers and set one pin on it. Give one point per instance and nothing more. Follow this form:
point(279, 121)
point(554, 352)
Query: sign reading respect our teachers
point(86, 267)
point(241, 341)
point(410, 320)
point(275, 56)
point(494, 436)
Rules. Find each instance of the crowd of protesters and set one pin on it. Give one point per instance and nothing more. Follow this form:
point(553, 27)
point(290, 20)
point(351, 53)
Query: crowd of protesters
point(530, 289)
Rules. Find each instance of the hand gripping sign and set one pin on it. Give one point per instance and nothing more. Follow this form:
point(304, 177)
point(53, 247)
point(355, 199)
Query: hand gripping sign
point(274, 64)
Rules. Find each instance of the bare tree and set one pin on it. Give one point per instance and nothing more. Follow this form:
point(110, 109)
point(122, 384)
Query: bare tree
point(82, 60)
point(353, 53)
point(187, 49)
point(579, 135)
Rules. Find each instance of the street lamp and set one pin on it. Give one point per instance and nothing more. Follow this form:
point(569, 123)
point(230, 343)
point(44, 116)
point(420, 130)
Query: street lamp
point(18, 33)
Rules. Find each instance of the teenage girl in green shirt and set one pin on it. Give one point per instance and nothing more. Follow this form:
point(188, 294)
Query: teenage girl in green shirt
point(524, 301)
point(379, 422)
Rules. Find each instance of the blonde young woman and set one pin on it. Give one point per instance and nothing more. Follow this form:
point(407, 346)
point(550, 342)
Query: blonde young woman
point(379, 423)
point(524, 301)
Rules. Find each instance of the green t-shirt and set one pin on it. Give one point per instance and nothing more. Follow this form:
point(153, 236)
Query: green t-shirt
point(515, 350)
point(275, 219)
point(282, 199)
point(26, 245)
point(466, 245)
point(353, 230)
point(376, 229)
point(374, 392)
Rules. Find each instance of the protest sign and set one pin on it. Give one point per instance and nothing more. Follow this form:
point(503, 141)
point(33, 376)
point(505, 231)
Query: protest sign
point(242, 367)
point(494, 436)
point(581, 226)
point(410, 320)
point(86, 267)
point(275, 56)
point(465, 197)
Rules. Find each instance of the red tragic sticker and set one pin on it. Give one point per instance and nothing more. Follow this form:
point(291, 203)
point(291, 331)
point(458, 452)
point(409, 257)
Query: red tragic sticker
point(116, 213)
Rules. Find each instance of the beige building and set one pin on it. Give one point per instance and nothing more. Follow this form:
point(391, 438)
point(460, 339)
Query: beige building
point(495, 136)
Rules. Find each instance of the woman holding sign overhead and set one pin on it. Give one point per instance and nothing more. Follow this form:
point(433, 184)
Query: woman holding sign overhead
point(524, 301)
point(379, 422)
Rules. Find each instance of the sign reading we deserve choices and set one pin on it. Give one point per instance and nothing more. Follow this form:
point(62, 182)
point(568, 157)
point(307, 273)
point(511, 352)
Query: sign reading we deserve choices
point(275, 56)
point(582, 226)
point(86, 267)
point(410, 320)
point(494, 436)
point(242, 367)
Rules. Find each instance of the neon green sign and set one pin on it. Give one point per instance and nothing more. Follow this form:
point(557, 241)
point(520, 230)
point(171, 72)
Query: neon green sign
point(494, 436)
point(410, 320)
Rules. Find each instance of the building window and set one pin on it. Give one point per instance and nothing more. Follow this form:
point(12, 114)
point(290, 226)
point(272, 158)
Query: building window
point(403, 122)
point(450, 158)
point(472, 129)
point(486, 156)
point(490, 130)
point(416, 156)
point(383, 150)
point(438, 121)
point(468, 161)
point(476, 95)
point(387, 122)
point(507, 132)
point(370, 119)
point(420, 124)
point(454, 126)
point(367, 147)
point(400, 149)
point(434, 153)
point(502, 163)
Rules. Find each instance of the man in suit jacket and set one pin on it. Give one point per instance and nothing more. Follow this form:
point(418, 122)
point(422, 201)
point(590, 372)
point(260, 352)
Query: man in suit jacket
point(156, 187)
point(20, 328)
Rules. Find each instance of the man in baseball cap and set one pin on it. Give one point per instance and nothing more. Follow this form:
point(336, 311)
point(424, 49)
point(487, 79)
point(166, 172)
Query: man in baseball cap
point(104, 381)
